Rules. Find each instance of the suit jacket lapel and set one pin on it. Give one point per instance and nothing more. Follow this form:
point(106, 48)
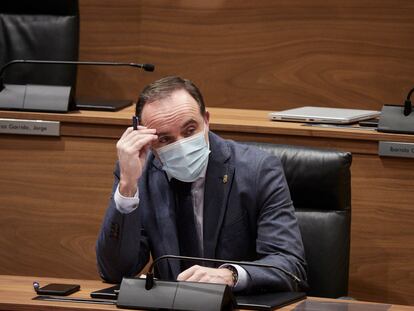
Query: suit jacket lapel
point(218, 182)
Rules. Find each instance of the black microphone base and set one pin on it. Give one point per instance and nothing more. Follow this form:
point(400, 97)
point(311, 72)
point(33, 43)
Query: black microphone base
point(393, 120)
point(31, 97)
point(174, 296)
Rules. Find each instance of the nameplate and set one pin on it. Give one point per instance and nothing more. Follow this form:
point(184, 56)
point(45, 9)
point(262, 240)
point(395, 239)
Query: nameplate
point(396, 149)
point(29, 127)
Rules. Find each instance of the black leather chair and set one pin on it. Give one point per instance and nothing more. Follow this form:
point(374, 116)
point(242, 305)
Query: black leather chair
point(320, 186)
point(39, 30)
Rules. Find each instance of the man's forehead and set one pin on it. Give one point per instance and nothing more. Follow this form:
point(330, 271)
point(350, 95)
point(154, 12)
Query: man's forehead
point(175, 104)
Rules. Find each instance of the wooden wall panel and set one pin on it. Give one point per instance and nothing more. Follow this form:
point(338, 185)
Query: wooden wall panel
point(54, 192)
point(262, 54)
point(382, 245)
point(109, 31)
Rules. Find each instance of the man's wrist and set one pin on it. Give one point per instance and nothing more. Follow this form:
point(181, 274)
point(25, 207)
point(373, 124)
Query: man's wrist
point(243, 277)
point(125, 205)
point(127, 189)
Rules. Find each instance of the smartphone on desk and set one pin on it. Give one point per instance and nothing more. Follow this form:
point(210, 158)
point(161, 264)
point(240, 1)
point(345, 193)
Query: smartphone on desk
point(58, 289)
point(107, 293)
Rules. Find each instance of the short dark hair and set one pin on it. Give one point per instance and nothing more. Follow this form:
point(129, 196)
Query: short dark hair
point(163, 88)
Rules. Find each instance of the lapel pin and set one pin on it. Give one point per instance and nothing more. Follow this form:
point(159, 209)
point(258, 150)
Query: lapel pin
point(225, 177)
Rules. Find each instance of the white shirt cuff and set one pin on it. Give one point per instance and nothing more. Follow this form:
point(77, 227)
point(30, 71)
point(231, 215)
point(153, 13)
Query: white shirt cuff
point(125, 205)
point(242, 277)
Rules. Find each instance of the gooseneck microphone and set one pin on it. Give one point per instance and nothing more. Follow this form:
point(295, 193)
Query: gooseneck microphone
point(396, 119)
point(407, 104)
point(146, 67)
point(46, 97)
point(149, 283)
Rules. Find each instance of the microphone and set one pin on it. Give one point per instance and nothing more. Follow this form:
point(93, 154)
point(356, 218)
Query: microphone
point(397, 119)
point(150, 294)
point(407, 104)
point(46, 97)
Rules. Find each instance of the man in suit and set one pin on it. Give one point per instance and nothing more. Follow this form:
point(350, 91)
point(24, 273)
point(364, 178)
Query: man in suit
point(181, 190)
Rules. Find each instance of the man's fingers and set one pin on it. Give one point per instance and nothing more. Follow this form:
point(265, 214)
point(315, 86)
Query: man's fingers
point(136, 142)
point(198, 276)
point(141, 142)
point(183, 276)
point(126, 133)
point(131, 135)
point(195, 274)
point(207, 275)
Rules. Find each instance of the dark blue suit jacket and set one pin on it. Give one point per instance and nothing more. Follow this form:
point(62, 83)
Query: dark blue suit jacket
point(250, 217)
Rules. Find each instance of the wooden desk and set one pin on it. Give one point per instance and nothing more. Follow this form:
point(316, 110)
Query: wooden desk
point(16, 293)
point(54, 192)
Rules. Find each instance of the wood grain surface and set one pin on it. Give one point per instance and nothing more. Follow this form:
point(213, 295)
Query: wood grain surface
point(382, 264)
point(265, 54)
point(54, 192)
point(16, 293)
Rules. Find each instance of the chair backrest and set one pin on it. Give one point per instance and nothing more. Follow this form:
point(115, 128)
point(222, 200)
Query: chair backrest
point(320, 185)
point(39, 30)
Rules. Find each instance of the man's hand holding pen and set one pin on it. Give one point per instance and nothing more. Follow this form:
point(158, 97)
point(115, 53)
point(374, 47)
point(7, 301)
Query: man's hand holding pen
point(134, 143)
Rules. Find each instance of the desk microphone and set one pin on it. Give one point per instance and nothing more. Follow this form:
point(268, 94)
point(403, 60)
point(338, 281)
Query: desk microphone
point(148, 293)
point(407, 104)
point(46, 97)
point(397, 119)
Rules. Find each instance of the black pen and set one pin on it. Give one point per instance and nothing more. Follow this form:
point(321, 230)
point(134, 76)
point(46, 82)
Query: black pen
point(135, 123)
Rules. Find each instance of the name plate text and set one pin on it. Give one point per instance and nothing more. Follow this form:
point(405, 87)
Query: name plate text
point(396, 149)
point(29, 127)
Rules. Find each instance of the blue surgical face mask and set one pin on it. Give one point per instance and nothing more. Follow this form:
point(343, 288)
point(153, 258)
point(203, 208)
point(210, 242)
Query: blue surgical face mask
point(185, 159)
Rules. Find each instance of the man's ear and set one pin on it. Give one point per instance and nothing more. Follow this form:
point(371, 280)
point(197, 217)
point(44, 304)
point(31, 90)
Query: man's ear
point(207, 117)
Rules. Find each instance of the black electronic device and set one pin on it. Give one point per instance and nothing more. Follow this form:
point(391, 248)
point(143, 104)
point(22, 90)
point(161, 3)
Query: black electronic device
point(397, 119)
point(51, 98)
point(166, 295)
point(103, 105)
point(148, 293)
point(106, 293)
point(57, 289)
point(265, 301)
point(268, 301)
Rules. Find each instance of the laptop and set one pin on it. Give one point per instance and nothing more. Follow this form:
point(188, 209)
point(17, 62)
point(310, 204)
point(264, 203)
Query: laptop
point(103, 105)
point(265, 302)
point(312, 114)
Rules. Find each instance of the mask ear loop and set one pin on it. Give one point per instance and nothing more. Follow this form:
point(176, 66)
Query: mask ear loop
point(206, 130)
